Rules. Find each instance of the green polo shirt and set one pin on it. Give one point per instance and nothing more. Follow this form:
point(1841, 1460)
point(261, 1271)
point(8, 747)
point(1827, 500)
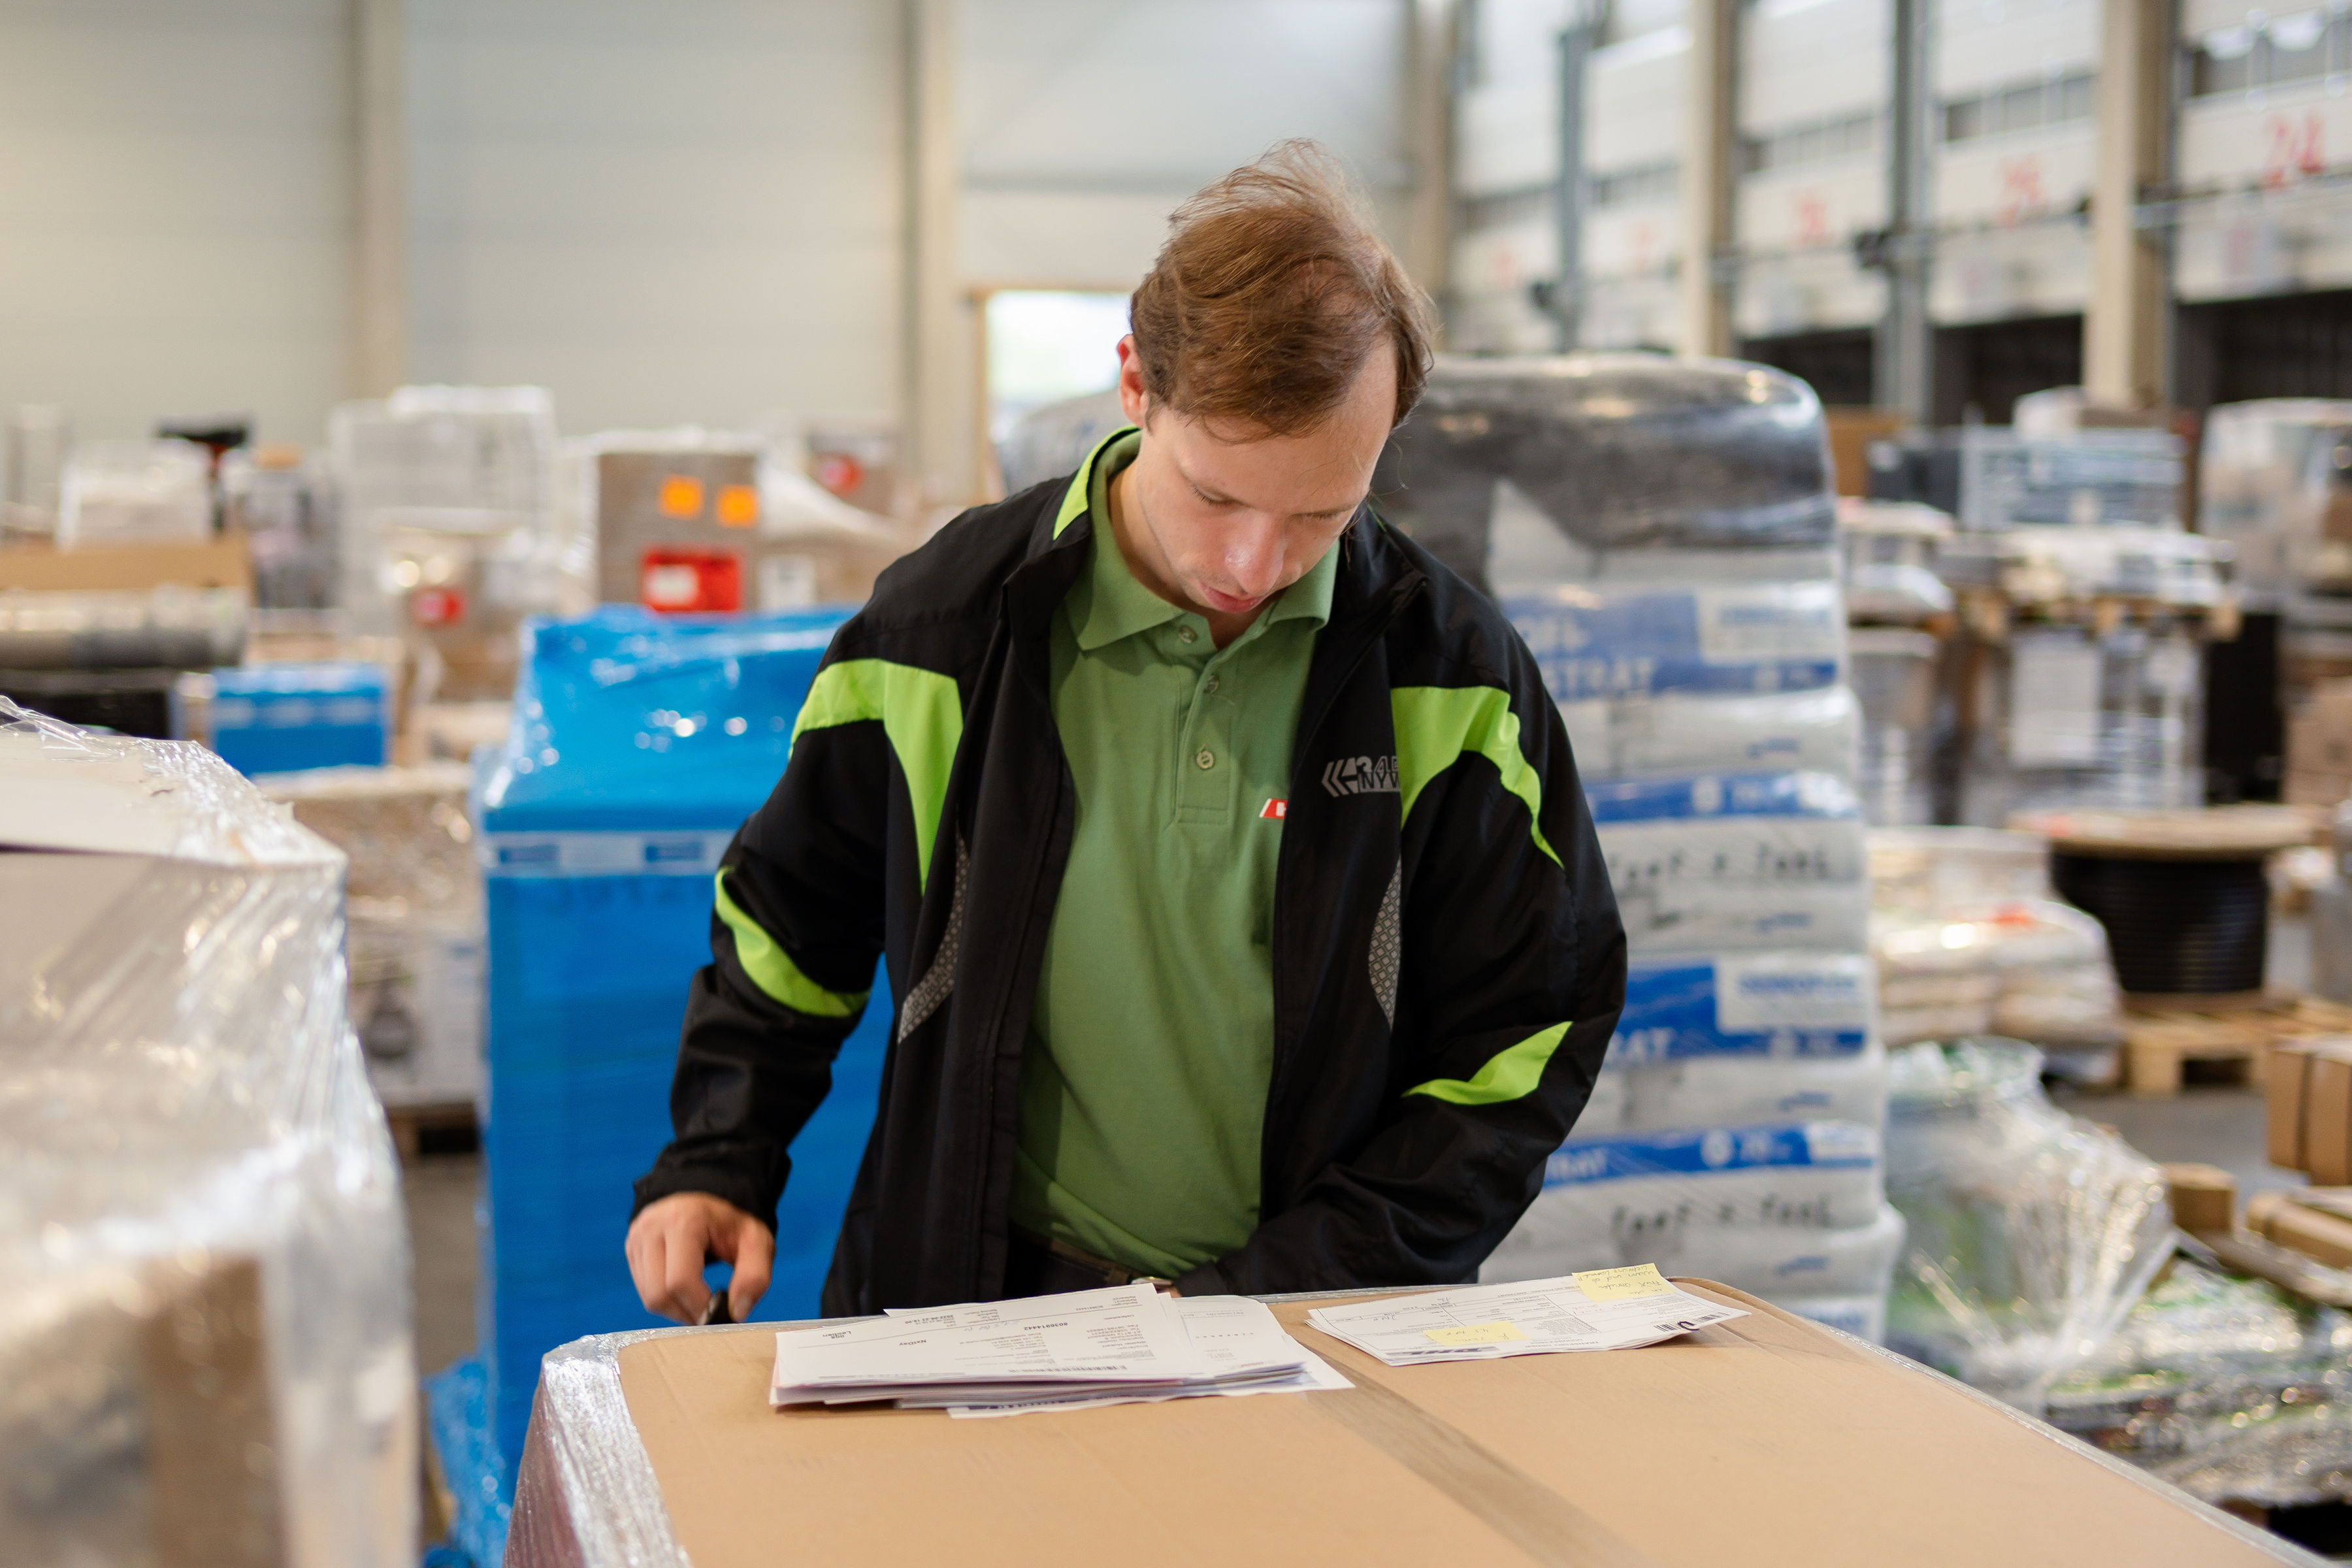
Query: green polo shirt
point(1144, 1079)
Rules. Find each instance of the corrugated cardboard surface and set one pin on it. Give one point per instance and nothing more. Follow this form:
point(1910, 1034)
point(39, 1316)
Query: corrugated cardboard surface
point(1765, 1442)
point(222, 562)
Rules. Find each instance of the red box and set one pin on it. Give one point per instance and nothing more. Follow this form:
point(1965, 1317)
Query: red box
point(688, 581)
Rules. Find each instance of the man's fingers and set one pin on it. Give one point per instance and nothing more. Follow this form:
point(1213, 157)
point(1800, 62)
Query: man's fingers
point(646, 1249)
point(755, 1262)
point(683, 1250)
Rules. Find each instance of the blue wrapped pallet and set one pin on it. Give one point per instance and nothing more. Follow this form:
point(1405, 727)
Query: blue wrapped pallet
point(639, 745)
point(289, 717)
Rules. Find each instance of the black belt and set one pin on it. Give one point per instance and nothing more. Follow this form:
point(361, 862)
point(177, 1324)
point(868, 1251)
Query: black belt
point(1036, 1266)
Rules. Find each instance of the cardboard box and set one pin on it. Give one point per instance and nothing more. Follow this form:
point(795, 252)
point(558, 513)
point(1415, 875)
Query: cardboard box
point(1851, 432)
point(2286, 1074)
point(2327, 1115)
point(2319, 1235)
point(222, 562)
point(2319, 742)
point(1765, 1442)
point(2204, 1197)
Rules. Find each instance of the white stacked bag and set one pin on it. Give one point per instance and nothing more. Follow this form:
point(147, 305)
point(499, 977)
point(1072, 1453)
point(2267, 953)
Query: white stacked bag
point(1664, 544)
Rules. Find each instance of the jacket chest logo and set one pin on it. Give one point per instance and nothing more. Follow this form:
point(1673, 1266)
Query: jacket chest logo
point(1360, 775)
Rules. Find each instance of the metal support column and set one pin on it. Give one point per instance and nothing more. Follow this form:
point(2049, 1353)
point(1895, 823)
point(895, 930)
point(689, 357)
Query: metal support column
point(1576, 45)
point(938, 345)
point(2124, 325)
point(379, 342)
point(1429, 130)
point(1709, 143)
point(1903, 376)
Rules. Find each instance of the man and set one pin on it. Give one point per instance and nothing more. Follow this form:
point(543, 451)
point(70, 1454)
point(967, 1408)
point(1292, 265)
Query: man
point(1243, 910)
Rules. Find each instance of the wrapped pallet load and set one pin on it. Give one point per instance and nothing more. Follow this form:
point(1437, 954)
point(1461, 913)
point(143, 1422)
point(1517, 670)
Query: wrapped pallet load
point(204, 1342)
point(1662, 533)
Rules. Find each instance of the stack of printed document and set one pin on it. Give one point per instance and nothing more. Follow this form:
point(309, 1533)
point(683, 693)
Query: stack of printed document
point(1599, 1310)
point(1124, 1344)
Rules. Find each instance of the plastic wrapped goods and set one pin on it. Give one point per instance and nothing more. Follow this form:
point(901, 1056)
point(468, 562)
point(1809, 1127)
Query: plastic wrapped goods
point(1741, 1038)
point(179, 1090)
point(283, 507)
point(1049, 442)
point(2228, 1388)
point(2033, 970)
point(1895, 685)
point(1621, 451)
point(1655, 679)
point(640, 745)
point(2274, 479)
point(2085, 480)
point(136, 492)
point(169, 626)
point(287, 718)
point(2032, 1233)
point(1931, 870)
point(1735, 862)
point(450, 526)
point(1749, 1205)
point(1890, 550)
point(416, 921)
point(2072, 719)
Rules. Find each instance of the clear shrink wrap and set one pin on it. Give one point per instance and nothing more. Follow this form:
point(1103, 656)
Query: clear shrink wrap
point(180, 1090)
point(2032, 1233)
point(2230, 1388)
point(135, 492)
point(1890, 550)
point(1621, 451)
point(1735, 862)
point(2029, 969)
point(416, 926)
point(2275, 478)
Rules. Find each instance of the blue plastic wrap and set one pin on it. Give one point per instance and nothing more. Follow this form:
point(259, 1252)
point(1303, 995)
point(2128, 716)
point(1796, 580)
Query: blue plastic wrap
point(640, 744)
point(288, 718)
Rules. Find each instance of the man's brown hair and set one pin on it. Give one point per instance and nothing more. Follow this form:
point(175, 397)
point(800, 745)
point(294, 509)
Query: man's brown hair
point(1270, 296)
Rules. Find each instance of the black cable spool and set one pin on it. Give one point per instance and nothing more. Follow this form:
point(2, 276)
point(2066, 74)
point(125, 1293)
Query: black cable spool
point(2175, 927)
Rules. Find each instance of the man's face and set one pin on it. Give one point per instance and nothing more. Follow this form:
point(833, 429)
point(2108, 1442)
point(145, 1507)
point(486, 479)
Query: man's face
point(1225, 521)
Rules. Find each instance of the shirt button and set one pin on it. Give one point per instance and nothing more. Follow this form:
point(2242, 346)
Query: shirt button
point(1206, 758)
point(1186, 634)
point(1210, 685)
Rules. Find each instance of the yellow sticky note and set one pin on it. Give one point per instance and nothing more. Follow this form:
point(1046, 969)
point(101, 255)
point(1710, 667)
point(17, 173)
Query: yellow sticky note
point(1500, 1332)
point(1624, 1284)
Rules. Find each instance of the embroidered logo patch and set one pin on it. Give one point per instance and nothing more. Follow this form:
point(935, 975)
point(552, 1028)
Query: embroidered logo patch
point(1361, 775)
point(1276, 809)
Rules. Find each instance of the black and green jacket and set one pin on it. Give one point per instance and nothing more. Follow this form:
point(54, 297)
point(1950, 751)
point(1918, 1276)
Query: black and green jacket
point(1447, 960)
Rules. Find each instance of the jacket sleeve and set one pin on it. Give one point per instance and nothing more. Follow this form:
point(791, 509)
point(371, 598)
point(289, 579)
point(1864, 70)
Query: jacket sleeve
point(794, 933)
point(1511, 974)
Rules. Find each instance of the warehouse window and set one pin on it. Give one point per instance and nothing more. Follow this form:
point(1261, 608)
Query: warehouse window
point(1046, 344)
point(2019, 106)
point(2270, 52)
point(1839, 136)
point(1649, 182)
point(1500, 207)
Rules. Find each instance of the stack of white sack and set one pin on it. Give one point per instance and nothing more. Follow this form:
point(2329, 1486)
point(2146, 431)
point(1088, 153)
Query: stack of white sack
point(1735, 676)
point(1688, 618)
point(1794, 1211)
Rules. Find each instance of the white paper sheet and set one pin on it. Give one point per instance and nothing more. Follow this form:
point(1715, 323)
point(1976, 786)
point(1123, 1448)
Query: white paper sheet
point(1600, 1309)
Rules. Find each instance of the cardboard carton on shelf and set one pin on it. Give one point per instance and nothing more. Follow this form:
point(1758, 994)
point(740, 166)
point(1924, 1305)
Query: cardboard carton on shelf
point(1767, 1441)
point(2316, 1223)
point(223, 562)
point(2319, 746)
point(2307, 1095)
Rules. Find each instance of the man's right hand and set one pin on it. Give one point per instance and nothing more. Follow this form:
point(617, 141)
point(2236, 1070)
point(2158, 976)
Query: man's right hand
point(673, 1237)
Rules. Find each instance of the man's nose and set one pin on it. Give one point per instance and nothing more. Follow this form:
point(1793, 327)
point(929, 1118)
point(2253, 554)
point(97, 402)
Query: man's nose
point(1254, 558)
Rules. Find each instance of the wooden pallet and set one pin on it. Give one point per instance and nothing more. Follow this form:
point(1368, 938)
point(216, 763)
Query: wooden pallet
point(411, 1122)
point(2159, 1035)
